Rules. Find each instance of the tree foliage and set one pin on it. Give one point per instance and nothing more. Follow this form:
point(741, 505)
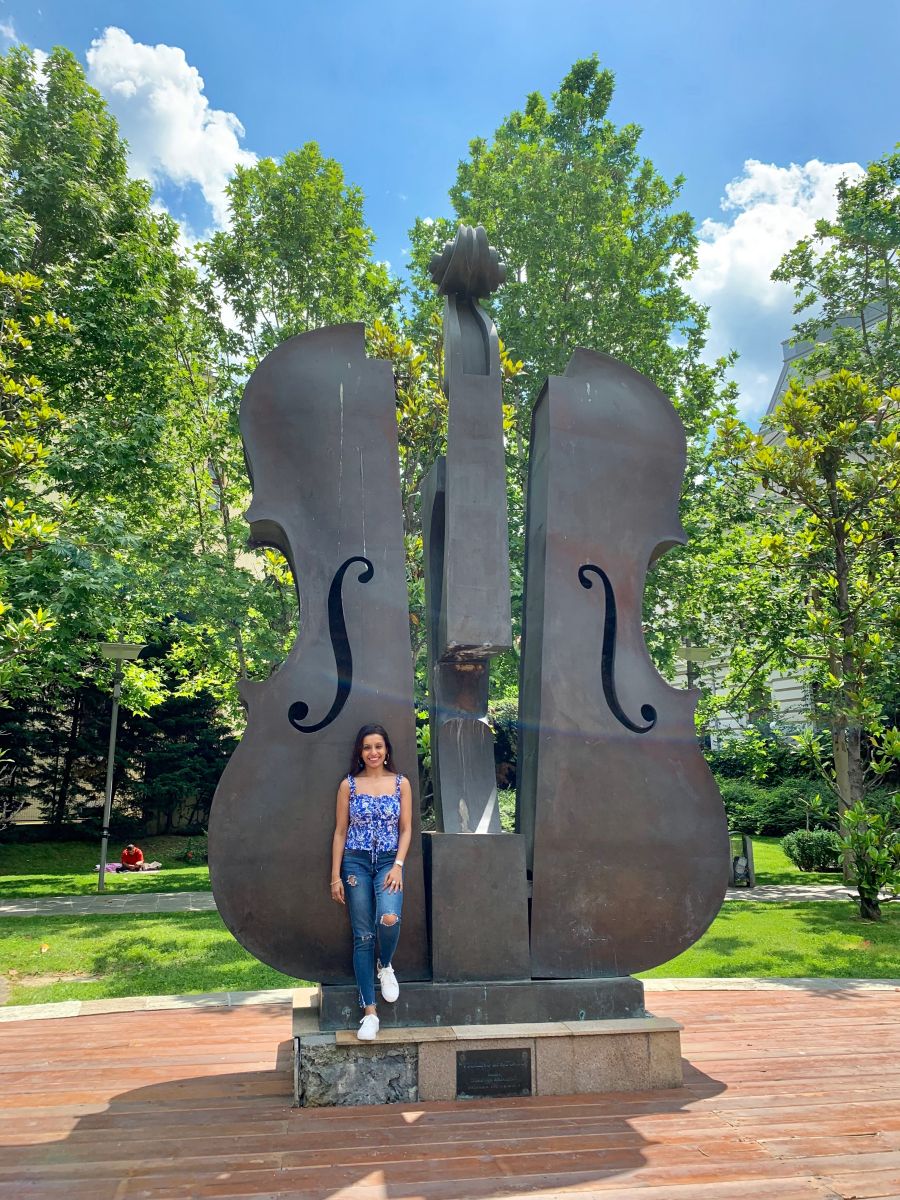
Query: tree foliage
point(846, 279)
point(808, 578)
point(297, 252)
point(597, 255)
point(28, 419)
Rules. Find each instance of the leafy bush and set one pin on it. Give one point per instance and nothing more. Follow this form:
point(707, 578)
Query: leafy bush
point(768, 811)
point(125, 825)
point(195, 852)
point(813, 849)
point(873, 840)
point(759, 756)
point(504, 718)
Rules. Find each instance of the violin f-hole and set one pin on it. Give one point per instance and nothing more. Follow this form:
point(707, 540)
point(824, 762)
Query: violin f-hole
point(340, 644)
point(608, 653)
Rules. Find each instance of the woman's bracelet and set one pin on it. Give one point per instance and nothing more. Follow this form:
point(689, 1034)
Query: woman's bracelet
point(334, 881)
point(398, 862)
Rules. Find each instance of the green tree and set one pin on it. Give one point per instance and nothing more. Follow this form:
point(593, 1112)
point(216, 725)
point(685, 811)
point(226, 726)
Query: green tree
point(827, 467)
point(846, 278)
point(114, 267)
point(597, 255)
point(28, 419)
point(297, 252)
point(145, 386)
point(805, 578)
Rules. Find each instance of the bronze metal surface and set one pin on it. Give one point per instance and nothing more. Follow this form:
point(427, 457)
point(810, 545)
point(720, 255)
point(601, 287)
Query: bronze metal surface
point(624, 823)
point(478, 906)
point(466, 550)
point(320, 435)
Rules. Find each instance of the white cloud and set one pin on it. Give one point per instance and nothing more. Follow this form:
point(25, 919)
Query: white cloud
point(767, 210)
point(8, 30)
point(173, 134)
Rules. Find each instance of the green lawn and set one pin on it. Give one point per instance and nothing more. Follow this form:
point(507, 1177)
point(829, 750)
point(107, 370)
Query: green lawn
point(29, 869)
point(160, 954)
point(125, 955)
point(773, 866)
point(66, 868)
point(819, 939)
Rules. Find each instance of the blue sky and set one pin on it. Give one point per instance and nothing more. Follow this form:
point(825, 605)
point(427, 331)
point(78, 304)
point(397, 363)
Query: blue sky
point(761, 105)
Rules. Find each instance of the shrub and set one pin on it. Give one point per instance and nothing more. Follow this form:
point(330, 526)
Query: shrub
point(767, 811)
point(813, 849)
point(873, 840)
point(504, 718)
point(762, 757)
point(195, 852)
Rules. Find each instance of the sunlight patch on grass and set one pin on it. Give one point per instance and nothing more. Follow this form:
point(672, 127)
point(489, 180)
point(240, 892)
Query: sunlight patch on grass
point(821, 939)
point(33, 869)
point(180, 953)
point(126, 955)
point(774, 867)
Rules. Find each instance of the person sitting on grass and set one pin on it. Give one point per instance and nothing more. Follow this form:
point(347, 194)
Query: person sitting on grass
point(132, 858)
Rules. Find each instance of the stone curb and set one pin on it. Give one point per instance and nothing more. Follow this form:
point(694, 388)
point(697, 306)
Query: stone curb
point(85, 1008)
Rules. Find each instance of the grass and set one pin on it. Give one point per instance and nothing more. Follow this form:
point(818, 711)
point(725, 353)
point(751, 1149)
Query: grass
point(773, 866)
point(30, 869)
point(179, 953)
point(819, 939)
point(126, 955)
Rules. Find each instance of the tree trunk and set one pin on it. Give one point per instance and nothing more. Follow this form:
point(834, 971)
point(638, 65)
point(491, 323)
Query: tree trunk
point(869, 909)
point(846, 739)
point(61, 803)
point(842, 774)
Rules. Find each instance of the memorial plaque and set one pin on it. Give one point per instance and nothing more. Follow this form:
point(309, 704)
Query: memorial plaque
point(493, 1073)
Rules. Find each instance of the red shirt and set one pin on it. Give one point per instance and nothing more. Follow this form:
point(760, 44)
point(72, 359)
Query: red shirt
point(131, 858)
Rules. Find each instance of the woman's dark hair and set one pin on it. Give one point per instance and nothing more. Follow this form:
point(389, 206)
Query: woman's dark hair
point(356, 762)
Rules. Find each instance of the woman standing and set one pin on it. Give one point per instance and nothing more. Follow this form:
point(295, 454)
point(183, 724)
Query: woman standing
point(372, 830)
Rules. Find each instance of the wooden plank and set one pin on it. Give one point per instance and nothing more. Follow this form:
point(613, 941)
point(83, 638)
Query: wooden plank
point(789, 1095)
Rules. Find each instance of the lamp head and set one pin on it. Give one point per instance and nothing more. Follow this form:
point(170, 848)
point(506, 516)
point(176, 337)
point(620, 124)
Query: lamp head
point(121, 650)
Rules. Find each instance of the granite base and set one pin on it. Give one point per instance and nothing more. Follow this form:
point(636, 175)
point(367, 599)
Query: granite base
point(489, 1061)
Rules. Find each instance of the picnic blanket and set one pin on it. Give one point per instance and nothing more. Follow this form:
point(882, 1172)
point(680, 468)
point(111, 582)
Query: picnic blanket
point(113, 868)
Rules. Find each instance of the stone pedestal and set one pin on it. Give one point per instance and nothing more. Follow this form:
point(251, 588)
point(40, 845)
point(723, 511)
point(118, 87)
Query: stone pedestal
point(547, 1058)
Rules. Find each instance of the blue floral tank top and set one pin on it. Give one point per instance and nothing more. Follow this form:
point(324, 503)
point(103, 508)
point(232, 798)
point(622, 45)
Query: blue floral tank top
point(374, 820)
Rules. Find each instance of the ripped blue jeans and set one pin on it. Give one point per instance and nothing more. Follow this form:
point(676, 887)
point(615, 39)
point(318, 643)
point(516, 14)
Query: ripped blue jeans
point(368, 903)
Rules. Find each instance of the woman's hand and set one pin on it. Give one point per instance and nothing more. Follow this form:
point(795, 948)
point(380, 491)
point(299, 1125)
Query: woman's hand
point(394, 880)
point(337, 891)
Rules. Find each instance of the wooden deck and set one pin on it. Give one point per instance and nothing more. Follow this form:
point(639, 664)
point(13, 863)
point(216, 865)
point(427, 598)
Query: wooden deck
point(791, 1095)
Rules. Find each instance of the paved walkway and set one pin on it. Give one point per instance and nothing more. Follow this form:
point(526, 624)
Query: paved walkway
point(162, 902)
point(88, 906)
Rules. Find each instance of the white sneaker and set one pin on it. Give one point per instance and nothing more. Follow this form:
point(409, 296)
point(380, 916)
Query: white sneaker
point(390, 988)
point(368, 1028)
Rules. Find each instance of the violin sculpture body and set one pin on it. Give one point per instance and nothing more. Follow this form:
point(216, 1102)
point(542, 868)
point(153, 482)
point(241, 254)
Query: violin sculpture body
point(624, 825)
point(319, 425)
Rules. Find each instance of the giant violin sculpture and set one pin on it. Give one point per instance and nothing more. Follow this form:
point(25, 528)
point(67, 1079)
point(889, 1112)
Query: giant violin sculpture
point(319, 425)
point(625, 829)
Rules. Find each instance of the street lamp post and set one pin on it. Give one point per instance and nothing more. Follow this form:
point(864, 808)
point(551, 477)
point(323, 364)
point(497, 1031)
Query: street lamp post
point(119, 652)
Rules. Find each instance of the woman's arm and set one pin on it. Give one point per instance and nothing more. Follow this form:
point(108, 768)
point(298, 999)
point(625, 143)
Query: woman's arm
point(394, 881)
point(341, 824)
